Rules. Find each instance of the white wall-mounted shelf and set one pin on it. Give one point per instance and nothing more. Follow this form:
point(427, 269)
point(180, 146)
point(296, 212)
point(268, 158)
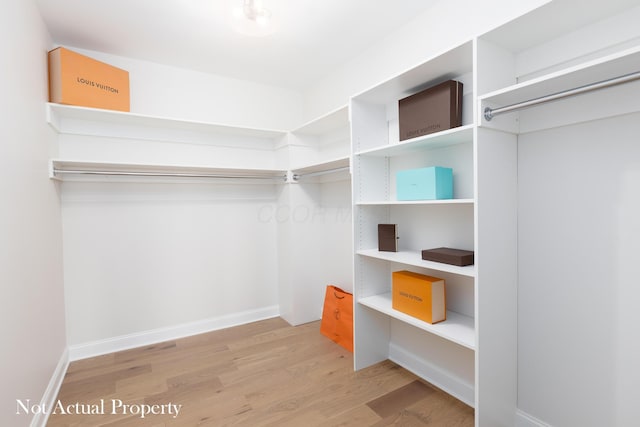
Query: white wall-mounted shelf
point(328, 165)
point(598, 70)
point(457, 328)
point(444, 66)
point(338, 168)
point(415, 259)
point(417, 202)
point(604, 68)
point(325, 124)
point(449, 137)
point(112, 137)
point(69, 119)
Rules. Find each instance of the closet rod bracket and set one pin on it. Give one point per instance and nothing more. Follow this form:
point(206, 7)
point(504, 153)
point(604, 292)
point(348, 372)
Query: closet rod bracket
point(488, 114)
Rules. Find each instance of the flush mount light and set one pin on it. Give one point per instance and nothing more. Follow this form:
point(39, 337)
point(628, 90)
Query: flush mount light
point(252, 19)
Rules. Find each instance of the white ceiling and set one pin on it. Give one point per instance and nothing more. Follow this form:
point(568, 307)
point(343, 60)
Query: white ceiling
point(312, 37)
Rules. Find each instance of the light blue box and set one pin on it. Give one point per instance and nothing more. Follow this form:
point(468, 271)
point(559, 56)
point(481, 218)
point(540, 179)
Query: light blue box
point(432, 183)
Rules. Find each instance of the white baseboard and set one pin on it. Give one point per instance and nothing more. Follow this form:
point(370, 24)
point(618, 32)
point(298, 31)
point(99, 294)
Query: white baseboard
point(138, 339)
point(525, 420)
point(50, 394)
point(450, 384)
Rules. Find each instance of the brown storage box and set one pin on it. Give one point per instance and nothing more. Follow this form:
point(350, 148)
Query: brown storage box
point(76, 79)
point(388, 237)
point(418, 295)
point(457, 257)
point(432, 110)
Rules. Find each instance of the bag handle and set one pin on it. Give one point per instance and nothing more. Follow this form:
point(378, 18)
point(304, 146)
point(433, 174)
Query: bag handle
point(335, 288)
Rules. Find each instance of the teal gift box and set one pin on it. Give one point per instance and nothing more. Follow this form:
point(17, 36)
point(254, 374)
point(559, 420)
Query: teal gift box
point(430, 183)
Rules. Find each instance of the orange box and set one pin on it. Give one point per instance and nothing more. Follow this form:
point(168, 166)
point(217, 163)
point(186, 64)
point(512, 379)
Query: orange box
point(76, 79)
point(420, 296)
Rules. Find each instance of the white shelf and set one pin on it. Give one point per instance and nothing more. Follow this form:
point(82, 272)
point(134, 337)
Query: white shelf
point(325, 124)
point(608, 67)
point(330, 170)
point(416, 202)
point(80, 170)
point(454, 136)
point(324, 166)
point(457, 328)
point(542, 25)
point(415, 259)
point(445, 66)
point(68, 119)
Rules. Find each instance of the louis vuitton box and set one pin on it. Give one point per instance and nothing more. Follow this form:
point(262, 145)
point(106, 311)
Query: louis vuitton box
point(76, 79)
point(419, 295)
point(432, 110)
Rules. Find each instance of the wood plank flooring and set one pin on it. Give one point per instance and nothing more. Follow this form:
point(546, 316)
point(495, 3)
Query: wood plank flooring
point(266, 373)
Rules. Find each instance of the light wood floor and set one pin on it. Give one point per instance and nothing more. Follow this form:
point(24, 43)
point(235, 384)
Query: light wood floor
point(262, 374)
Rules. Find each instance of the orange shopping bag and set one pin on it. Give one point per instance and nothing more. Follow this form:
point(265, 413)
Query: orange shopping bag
point(337, 317)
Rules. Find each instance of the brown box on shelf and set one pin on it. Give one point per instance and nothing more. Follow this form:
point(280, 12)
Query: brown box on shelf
point(75, 79)
point(451, 256)
point(434, 109)
point(418, 295)
point(388, 237)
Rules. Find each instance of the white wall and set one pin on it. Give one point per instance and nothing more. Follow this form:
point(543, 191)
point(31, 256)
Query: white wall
point(142, 256)
point(180, 93)
point(31, 279)
point(447, 24)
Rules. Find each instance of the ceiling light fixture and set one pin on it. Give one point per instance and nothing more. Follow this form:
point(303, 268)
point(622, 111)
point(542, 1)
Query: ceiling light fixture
point(252, 19)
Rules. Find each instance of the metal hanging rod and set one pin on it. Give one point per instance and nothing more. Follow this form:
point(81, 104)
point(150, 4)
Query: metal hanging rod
point(297, 176)
point(490, 113)
point(164, 174)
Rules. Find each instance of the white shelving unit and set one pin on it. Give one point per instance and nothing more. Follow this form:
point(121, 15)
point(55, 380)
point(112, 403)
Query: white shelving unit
point(481, 359)
point(442, 353)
